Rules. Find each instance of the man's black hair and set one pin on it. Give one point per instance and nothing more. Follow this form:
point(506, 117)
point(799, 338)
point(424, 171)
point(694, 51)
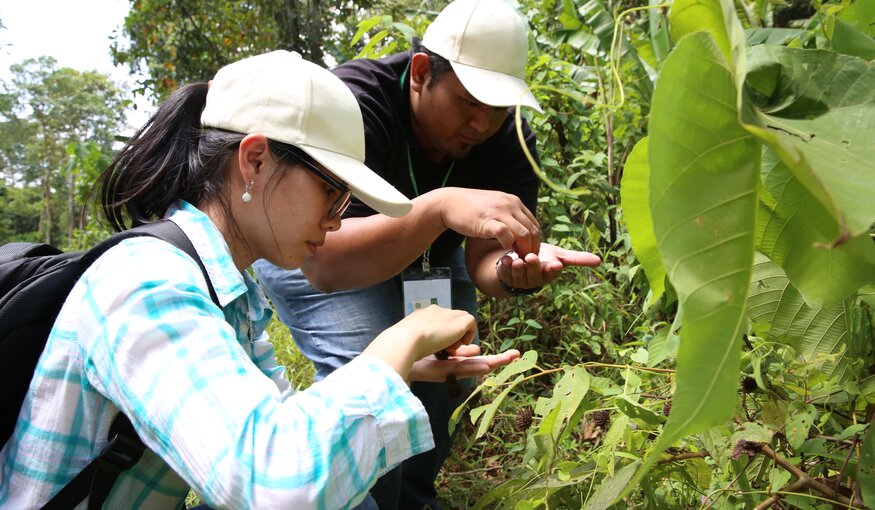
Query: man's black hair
point(439, 65)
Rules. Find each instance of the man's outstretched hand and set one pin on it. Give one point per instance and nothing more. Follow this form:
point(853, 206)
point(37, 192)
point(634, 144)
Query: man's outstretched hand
point(535, 270)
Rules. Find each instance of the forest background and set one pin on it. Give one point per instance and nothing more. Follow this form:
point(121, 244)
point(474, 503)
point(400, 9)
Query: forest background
point(718, 155)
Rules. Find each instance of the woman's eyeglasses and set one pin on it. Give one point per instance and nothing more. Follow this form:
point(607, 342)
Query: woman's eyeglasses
point(344, 198)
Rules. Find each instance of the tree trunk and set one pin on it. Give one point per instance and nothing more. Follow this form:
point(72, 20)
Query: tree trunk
point(286, 18)
point(314, 31)
point(71, 204)
point(46, 227)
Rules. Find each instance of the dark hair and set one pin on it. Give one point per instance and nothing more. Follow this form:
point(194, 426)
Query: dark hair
point(172, 157)
point(439, 65)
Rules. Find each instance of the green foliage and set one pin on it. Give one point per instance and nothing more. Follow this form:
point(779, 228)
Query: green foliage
point(53, 121)
point(706, 137)
point(721, 354)
point(299, 370)
point(175, 42)
point(726, 173)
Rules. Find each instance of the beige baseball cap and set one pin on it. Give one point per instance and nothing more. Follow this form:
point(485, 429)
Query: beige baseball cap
point(291, 100)
point(486, 43)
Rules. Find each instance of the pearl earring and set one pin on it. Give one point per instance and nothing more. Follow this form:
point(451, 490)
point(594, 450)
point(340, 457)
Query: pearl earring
point(247, 197)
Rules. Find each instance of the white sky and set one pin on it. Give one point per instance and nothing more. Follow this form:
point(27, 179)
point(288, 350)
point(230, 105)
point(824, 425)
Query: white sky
point(75, 32)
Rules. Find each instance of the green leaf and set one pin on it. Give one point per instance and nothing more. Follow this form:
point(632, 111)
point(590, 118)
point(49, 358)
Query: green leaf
point(689, 16)
point(778, 478)
point(750, 431)
point(565, 400)
point(364, 26)
point(568, 16)
point(525, 362)
point(640, 356)
point(659, 34)
point(704, 172)
point(776, 36)
point(532, 323)
point(405, 29)
point(847, 39)
point(369, 48)
point(718, 18)
point(810, 330)
point(610, 488)
point(662, 346)
point(861, 15)
point(492, 408)
point(616, 432)
point(774, 414)
point(797, 427)
point(636, 212)
point(820, 120)
point(796, 232)
point(636, 411)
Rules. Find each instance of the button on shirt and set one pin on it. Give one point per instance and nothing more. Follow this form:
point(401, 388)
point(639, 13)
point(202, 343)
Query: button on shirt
point(139, 333)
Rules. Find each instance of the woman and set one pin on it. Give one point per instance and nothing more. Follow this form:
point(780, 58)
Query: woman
point(260, 163)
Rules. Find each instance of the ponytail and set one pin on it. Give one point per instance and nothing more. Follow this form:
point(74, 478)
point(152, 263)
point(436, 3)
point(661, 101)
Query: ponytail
point(161, 164)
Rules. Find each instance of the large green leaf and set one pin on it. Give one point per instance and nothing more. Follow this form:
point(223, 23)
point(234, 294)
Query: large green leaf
point(635, 198)
point(861, 15)
point(796, 231)
point(818, 115)
point(812, 331)
point(689, 16)
point(847, 39)
point(717, 17)
point(704, 169)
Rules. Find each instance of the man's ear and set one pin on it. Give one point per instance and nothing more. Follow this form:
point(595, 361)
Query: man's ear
point(420, 71)
point(253, 156)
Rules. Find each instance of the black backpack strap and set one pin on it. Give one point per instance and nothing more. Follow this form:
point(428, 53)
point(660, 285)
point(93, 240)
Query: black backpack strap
point(97, 479)
point(125, 447)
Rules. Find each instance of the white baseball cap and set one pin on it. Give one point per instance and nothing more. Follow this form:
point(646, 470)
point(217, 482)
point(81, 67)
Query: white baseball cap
point(485, 42)
point(293, 101)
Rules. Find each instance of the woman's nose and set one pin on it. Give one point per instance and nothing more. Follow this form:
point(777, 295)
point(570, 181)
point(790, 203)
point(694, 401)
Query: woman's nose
point(331, 224)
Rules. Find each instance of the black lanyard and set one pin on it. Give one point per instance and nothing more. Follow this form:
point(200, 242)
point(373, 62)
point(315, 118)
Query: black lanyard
point(410, 159)
point(426, 264)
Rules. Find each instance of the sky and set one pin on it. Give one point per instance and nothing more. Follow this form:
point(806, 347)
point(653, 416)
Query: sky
point(75, 32)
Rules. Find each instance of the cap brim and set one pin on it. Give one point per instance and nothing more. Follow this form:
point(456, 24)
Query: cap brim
point(494, 88)
point(366, 185)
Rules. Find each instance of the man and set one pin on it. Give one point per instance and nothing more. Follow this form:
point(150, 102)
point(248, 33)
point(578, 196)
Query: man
point(438, 127)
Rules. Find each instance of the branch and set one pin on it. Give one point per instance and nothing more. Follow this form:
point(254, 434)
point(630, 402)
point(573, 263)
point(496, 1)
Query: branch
point(771, 500)
point(848, 458)
point(805, 481)
point(683, 456)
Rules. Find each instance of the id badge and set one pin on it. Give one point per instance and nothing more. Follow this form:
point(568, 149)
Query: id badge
point(421, 288)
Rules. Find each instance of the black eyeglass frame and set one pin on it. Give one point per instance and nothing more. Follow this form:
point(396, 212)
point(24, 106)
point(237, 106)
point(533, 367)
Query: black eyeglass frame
point(341, 204)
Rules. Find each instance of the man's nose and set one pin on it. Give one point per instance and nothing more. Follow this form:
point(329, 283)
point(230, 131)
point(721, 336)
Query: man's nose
point(480, 118)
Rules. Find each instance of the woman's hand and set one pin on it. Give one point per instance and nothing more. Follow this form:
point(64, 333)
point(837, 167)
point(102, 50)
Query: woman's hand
point(466, 361)
point(421, 334)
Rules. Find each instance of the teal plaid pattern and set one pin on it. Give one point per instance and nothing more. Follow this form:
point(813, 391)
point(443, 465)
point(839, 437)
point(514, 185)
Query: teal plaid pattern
point(139, 333)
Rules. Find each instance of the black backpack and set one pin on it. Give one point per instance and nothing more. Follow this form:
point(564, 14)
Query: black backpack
point(34, 282)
